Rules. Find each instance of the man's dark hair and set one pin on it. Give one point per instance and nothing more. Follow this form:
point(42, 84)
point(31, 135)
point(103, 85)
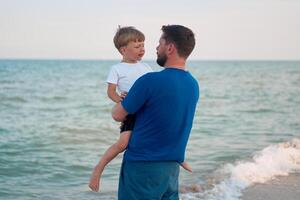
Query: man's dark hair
point(182, 37)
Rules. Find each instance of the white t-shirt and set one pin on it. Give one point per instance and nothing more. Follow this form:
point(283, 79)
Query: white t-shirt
point(125, 74)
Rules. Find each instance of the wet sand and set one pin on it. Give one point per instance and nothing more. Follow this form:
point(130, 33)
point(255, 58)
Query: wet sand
point(281, 188)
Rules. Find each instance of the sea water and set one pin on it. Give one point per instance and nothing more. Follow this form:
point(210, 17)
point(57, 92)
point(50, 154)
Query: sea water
point(55, 123)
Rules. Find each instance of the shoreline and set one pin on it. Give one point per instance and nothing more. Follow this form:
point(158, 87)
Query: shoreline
point(282, 187)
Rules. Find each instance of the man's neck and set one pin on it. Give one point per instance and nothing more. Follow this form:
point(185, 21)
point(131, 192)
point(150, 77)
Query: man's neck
point(178, 64)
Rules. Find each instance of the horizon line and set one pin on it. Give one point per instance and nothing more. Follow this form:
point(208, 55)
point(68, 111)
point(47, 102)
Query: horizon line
point(111, 59)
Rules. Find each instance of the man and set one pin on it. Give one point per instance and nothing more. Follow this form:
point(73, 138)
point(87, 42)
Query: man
point(164, 103)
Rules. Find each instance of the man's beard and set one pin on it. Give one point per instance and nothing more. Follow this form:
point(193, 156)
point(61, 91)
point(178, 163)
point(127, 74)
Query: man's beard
point(161, 60)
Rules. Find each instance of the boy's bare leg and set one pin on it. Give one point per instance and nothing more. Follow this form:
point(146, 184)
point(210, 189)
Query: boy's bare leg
point(110, 154)
point(186, 166)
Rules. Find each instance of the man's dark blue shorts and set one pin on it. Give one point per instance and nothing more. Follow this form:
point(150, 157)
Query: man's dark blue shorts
point(148, 181)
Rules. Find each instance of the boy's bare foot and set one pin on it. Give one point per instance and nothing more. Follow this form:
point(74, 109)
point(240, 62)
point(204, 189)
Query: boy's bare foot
point(94, 182)
point(186, 166)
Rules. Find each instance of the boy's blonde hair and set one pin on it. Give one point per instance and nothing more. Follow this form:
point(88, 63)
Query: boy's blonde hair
point(127, 34)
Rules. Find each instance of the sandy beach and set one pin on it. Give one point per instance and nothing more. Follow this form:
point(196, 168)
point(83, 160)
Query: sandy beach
point(281, 188)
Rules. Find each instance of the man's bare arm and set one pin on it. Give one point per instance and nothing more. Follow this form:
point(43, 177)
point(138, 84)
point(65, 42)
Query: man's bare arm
point(119, 113)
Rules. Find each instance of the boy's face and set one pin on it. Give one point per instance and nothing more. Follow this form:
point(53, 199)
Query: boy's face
point(133, 51)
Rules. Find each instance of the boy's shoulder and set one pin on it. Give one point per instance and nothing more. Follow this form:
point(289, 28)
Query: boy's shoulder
point(146, 66)
point(117, 65)
point(119, 68)
point(124, 66)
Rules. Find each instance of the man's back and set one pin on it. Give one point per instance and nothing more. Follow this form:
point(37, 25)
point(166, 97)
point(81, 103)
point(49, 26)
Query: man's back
point(165, 104)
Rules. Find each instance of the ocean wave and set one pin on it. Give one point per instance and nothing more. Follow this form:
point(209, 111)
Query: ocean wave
point(13, 99)
point(275, 160)
point(259, 110)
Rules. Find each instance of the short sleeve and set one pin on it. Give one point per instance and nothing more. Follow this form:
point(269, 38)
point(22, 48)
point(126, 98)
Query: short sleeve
point(137, 95)
point(112, 76)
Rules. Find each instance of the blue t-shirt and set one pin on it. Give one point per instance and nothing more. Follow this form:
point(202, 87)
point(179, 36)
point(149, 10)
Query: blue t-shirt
point(164, 103)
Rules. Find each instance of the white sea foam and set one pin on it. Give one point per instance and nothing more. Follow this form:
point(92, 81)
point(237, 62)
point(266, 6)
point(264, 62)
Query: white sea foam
point(274, 160)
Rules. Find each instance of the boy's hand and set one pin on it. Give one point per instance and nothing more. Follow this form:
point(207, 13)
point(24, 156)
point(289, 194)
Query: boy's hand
point(123, 95)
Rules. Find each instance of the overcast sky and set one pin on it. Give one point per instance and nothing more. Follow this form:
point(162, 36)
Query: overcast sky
point(83, 29)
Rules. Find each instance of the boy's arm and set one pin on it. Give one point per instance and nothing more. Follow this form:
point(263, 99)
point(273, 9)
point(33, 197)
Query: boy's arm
point(112, 94)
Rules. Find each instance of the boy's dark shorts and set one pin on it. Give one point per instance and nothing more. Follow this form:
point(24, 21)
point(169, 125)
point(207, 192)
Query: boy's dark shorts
point(128, 123)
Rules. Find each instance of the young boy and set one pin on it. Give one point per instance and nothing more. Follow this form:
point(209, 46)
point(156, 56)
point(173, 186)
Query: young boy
point(130, 43)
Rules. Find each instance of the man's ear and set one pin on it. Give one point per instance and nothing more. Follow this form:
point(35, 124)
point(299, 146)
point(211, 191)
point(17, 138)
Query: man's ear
point(171, 48)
